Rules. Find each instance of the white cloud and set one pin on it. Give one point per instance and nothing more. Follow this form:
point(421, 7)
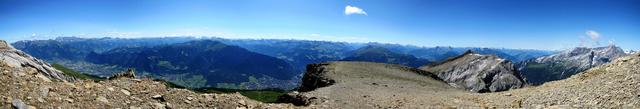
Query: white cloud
point(353, 10)
point(593, 35)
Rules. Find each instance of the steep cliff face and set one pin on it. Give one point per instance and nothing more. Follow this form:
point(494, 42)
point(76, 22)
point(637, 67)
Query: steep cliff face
point(17, 59)
point(566, 63)
point(478, 73)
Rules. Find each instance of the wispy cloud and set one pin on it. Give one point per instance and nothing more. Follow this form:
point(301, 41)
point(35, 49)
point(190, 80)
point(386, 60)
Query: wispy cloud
point(349, 10)
point(591, 38)
point(595, 36)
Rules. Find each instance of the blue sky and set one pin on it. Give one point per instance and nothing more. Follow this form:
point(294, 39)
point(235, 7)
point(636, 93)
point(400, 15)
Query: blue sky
point(529, 24)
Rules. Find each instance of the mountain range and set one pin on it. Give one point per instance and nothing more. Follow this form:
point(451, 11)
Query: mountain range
point(212, 61)
point(382, 55)
point(34, 83)
point(89, 55)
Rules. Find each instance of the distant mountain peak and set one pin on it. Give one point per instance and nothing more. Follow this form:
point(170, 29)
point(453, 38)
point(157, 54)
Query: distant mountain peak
point(569, 62)
point(373, 49)
point(205, 44)
point(372, 53)
point(478, 73)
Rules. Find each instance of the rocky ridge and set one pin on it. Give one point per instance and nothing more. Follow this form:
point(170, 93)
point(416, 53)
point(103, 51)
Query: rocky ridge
point(19, 60)
point(566, 63)
point(478, 73)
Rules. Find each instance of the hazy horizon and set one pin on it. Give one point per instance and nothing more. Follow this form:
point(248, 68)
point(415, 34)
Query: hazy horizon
point(540, 24)
point(209, 37)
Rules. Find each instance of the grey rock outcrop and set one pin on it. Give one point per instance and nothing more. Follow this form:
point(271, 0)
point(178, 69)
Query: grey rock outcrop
point(17, 59)
point(130, 73)
point(478, 73)
point(316, 77)
point(18, 104)
point(567, 63)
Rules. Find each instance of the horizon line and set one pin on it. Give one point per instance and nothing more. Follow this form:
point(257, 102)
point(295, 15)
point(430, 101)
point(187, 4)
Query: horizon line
point(294, 39)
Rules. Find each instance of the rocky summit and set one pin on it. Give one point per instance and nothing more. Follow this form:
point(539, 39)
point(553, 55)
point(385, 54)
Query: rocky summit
point(566, 63)
point(478, 73)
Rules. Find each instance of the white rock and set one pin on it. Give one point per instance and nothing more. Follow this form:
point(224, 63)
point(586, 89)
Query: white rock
point(159, 106)
point(102, 99)
point(125, 92)
point(156, 96)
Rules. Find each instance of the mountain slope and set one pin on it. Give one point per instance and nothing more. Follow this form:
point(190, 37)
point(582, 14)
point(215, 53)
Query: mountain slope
point(567, 63)
point(215, 61)
point(383, 55)
point(16, 59)
point(297, 52)
point(478, 73)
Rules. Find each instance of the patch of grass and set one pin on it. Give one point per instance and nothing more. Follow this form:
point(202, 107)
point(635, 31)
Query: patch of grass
point(75, 74)
point(263, 96)
point(186, 80)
